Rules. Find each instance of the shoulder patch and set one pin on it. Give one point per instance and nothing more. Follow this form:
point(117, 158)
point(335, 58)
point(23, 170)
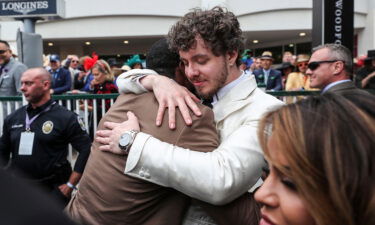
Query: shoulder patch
point(47, 127)
point(81, 123)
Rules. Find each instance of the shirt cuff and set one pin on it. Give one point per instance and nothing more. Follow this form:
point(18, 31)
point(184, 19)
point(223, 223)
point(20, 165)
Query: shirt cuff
point(136, 151)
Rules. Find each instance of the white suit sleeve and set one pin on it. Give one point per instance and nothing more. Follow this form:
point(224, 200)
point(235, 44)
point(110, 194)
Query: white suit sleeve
point(128, 82)
point(216, 177)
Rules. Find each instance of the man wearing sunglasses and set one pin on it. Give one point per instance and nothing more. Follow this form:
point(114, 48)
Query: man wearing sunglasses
point(330, 69)
point(10, 71)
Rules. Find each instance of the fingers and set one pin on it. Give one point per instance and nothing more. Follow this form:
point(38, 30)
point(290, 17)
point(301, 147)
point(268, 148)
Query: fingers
point(195, 98)
point(159, 116)
point(105, 148)
point(103, 140)
point(172, 117)
point(103, 133)
point(185, 112)
point(110, 125)
point(193, 106)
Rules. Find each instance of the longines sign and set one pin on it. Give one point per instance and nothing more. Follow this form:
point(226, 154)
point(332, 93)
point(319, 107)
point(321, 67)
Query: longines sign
point(36, 8)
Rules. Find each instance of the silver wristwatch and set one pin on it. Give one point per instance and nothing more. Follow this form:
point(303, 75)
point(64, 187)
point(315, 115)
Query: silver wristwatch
point(126, 140)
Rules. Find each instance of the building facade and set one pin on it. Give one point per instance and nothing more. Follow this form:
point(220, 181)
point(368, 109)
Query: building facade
point(115, 28)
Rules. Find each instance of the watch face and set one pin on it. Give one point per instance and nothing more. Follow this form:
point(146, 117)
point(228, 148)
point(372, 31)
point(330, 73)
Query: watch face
point(125, 139)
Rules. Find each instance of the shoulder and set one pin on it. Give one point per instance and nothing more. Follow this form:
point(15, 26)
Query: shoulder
point(64, 71)
point(276, 72)
point(257, 72)
point(16, 113)
point(63, 112)
point(264, 102)
point(19, 65)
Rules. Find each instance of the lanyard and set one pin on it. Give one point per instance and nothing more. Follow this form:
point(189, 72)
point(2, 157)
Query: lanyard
point(28, 121)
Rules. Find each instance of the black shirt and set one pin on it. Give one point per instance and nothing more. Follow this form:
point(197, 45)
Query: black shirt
point(54, 129)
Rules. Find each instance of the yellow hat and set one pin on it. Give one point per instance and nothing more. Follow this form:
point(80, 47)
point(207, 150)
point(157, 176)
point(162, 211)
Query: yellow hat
point(303, 58)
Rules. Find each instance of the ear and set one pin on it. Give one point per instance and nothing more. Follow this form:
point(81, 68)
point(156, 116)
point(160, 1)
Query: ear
point(46, 84)
point(232, 57)
point(338, 67)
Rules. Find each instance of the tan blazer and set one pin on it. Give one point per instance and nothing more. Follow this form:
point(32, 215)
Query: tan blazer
point(107, 196)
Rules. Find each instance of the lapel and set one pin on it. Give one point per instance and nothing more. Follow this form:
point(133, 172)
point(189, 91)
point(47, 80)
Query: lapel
point(270, 76)
point(234, 99)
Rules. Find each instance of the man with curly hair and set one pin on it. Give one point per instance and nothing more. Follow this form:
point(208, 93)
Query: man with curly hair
point(210, 44)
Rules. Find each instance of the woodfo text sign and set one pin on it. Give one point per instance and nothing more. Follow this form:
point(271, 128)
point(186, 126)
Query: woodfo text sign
point(333, 20)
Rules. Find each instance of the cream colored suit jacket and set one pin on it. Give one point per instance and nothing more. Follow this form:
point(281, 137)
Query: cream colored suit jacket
point(216, 177)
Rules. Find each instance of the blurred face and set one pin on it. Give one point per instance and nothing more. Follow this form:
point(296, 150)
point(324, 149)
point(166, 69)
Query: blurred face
point(287, 57)
point(258, 64)
point(54, 65)
point(5, 54)
point(33, 87)
point(207, 72)
point(266, 63)
point(281, 203)
point(287, 71)
point(137, 66)
point(99, 77)
point(302, 66)
point(74, 62)
point(324, 74)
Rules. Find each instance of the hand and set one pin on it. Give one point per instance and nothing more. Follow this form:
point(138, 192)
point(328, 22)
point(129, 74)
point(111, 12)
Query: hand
point(81, 75)
point(66, 190)
point(171, 95)
point(110, 138)
point(94, 82)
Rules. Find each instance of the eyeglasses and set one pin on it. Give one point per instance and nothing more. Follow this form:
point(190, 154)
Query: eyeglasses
point(316, 64)
point(3, 51)
point(303, 64)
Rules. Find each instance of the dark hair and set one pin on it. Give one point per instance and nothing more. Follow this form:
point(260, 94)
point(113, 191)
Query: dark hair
point(161, 59)
point(328, 142)
point(219, 29)
point(5, 43)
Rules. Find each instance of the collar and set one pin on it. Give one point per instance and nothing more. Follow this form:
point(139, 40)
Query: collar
point(334, 84)
point(56, 71)
point(224, 90)
point(266, 71)
point(31, 111)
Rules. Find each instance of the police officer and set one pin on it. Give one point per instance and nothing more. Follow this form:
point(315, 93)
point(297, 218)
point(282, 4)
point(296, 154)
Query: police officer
point(37, 136)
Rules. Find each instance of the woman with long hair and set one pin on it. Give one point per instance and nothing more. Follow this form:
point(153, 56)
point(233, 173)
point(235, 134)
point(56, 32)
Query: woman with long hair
point(321, 156)
point(102, 83)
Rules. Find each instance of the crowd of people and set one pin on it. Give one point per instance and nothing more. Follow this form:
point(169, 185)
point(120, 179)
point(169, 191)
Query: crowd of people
point(221, 151)
point(291, 74)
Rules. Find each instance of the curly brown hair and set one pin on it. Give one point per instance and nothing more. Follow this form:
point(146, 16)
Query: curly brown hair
point(218, 27)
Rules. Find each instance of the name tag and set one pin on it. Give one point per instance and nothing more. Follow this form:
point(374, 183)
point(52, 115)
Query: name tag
point(26, 143)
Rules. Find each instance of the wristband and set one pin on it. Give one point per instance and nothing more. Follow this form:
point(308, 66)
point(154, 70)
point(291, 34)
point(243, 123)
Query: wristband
point(71, 185)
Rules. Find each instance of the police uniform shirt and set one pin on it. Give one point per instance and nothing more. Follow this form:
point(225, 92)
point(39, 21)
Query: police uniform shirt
point(54, 129)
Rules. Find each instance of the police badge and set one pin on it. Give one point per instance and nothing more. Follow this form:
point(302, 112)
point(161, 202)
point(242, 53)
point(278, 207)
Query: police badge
point(47, 127)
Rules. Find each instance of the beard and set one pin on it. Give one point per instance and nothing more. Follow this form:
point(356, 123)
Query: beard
point(216, 84)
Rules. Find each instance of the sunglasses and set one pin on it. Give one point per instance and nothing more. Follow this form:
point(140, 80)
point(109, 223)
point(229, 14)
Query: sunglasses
point(75, 61)
point(303, 64)
point(3, 51)
point(314, 65)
